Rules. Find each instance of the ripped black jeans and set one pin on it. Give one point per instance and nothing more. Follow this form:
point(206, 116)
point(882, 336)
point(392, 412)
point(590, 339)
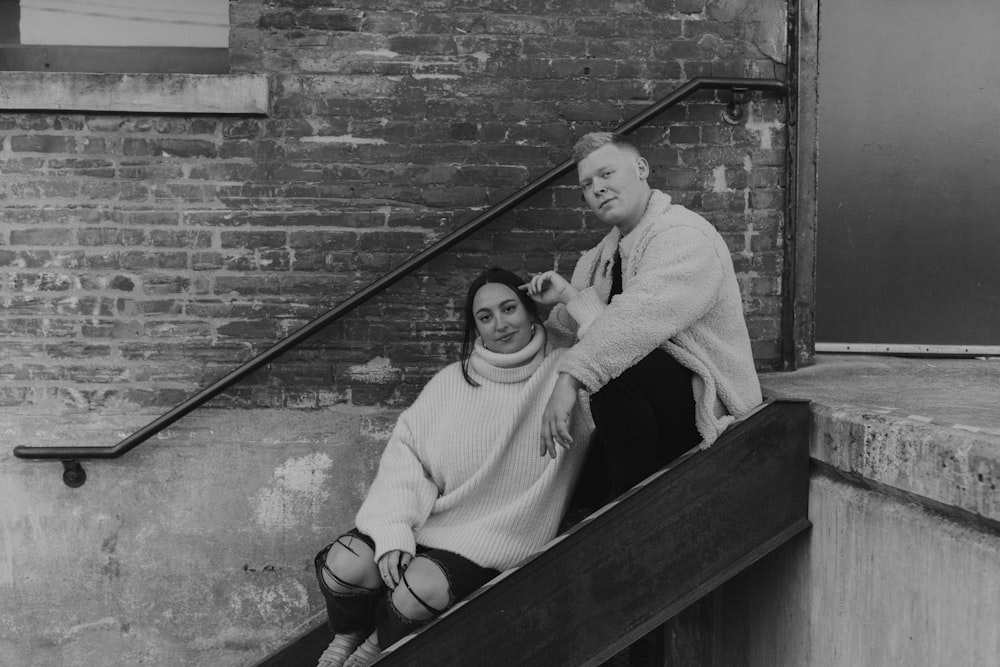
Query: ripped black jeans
point(366, 611)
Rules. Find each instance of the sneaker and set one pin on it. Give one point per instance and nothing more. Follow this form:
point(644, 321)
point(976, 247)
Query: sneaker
point(365, 655)
point(339, 650)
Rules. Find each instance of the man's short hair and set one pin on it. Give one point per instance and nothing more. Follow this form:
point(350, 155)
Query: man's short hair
point(590, 142)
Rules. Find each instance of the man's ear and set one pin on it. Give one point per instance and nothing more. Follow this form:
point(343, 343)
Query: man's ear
point(643, 167)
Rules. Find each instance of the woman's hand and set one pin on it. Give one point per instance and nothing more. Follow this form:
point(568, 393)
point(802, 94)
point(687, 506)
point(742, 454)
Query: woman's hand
point(391, 566)
point(549, 288)
point(559, 409)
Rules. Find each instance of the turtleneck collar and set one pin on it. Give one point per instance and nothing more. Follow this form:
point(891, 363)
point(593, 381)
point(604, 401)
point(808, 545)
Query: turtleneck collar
point(515, 367)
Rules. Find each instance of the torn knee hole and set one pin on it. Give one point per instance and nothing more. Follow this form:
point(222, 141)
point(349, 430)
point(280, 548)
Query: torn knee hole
point(419, 605)
point(347, 568)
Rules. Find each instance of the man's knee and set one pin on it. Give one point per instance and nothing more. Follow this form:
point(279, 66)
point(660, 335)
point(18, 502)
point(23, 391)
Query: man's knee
point(350, 565)
point(658, 367)
point(654, 378)
point(424, 591)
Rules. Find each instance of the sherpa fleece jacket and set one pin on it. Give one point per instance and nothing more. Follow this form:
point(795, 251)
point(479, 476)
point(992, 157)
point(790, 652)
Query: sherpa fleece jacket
point(679, 293)
point(462, 470)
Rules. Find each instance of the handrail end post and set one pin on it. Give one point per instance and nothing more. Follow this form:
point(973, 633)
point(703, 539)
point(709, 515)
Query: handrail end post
point(74, 475)
point(736, 111)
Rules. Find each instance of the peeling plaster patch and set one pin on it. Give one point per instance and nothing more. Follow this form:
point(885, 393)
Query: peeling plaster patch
point(761, 24)
point(381, 53)
point(765, 130)
point(725, 10)
point(246, 639)
point(450, 309)
point(748, 241)
point(7, 566)
point(275, 604)
point(920, 418)
point(377, 429)
point(482, 57)
point(437, 77)
point(106, 624)
point(747, 199)
point(299, 485)
point(342, 139)
point(715, 45)
point(376, 371)
point(720, 184)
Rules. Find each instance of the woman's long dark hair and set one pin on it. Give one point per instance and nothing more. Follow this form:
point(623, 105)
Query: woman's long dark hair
point(502, 277)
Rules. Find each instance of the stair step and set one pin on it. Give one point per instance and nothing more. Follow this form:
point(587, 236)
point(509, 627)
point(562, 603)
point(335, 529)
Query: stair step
point(630, 566)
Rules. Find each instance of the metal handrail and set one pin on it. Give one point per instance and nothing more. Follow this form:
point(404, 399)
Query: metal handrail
point(74, 474)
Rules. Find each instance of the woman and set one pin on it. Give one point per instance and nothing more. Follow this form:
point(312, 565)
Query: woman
point(462, 490)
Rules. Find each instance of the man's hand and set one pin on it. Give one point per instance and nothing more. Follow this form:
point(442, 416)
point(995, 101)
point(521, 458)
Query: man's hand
point(391, 566)
point(549, 288)
point(555, 419)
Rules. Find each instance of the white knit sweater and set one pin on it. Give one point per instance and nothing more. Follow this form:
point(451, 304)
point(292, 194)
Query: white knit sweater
point(462, 470)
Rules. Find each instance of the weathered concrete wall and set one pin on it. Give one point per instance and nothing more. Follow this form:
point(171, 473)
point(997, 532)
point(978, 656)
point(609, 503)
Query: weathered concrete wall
point(877, 581)
point(195, 549)
point(902, 564)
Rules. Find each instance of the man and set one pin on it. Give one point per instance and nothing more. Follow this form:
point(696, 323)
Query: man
point(655, 320)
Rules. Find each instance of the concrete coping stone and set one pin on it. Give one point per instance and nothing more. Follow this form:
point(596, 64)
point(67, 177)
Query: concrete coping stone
point(240, 94)
point(945, 466)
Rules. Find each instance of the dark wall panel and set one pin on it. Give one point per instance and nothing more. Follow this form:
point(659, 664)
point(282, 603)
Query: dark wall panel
point(10, 21)
point(909, 169)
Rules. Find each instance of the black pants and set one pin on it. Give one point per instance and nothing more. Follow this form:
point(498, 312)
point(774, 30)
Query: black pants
point(645, 420)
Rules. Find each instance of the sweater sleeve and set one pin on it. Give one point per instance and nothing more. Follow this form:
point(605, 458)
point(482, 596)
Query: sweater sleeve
point(566, 323)
point(586, 308)
point(401, 496)
point(561, 327)
point(678, 280)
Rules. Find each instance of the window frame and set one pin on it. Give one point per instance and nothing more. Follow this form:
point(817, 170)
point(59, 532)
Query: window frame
point(226, 92)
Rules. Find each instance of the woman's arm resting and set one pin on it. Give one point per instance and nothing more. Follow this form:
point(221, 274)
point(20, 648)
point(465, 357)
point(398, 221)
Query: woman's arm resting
point(555, 419)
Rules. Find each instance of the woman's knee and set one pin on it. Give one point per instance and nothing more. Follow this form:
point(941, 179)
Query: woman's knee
point(350, 565)
point(424, 591)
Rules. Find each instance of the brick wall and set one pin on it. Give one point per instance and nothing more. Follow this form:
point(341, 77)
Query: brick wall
point(143, 256)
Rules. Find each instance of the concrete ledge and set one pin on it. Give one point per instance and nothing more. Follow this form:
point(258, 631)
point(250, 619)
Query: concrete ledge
point(926, 429)
point(948, 466)
point(236, 94)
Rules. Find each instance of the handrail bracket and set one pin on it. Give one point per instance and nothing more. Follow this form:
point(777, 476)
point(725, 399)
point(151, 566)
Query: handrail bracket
point(736, 111)
point(73, 474)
